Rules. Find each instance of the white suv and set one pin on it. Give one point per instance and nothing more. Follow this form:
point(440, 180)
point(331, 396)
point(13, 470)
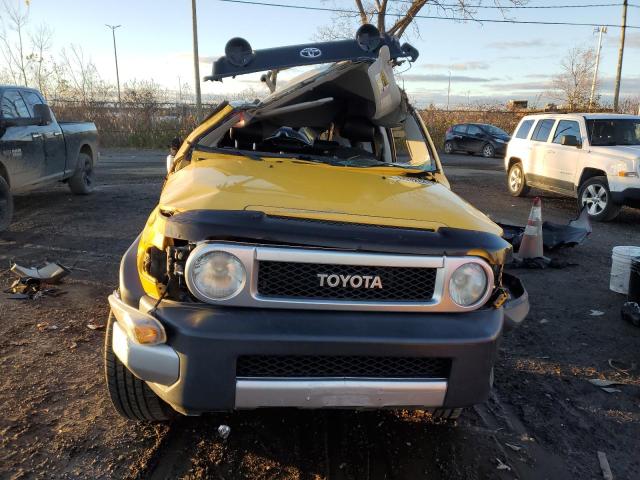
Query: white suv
point(594, 157)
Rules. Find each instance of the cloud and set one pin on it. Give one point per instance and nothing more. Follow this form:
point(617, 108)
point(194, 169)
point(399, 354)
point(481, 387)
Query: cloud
point(456, 67)
point(521, 86)
point(631, 40)
point(534, 42)
point(420, 77)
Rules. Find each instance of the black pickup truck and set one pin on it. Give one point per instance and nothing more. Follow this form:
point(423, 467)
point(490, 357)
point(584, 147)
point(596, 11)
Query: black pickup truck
point(36, 149)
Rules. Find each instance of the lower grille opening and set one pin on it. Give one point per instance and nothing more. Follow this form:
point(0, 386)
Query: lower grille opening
point(315, 366)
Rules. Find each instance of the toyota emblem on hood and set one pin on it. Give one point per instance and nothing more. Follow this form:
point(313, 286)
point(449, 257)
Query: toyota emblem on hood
point(310, 52)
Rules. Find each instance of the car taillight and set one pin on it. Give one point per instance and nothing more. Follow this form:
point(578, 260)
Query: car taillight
point(448, 130)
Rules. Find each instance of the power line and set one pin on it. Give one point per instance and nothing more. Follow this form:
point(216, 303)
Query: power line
point(429, 17)
point(499, 7)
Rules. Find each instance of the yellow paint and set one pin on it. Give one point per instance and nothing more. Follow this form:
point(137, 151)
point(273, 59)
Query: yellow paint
point(380, 195)
point(200, 130)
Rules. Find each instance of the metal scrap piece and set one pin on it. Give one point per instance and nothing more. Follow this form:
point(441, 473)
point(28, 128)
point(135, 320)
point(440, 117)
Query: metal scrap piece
point(49, 273)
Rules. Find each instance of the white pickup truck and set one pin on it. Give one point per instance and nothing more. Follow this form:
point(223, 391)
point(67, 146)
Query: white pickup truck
point(594, 157)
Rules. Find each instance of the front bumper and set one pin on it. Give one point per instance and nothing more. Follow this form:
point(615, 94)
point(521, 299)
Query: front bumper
point(500, 149)
point(207, 342)
point(629, 197)
point(196, 371)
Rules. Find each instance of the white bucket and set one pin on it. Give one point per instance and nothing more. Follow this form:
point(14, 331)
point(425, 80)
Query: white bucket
point(620, 267)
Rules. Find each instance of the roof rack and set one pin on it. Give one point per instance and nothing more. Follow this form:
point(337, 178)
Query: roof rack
point(240, 58)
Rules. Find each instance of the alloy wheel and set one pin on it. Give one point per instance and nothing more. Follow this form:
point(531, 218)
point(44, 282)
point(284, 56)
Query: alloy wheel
point(515, 179)
point(88, 174)
point(595, 197)
point(488, 151)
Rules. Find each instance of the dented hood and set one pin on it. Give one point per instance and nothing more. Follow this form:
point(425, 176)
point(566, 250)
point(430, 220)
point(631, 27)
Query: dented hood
point(275, 186)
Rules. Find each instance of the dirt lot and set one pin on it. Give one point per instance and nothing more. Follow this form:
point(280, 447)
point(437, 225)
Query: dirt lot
point(544, 419)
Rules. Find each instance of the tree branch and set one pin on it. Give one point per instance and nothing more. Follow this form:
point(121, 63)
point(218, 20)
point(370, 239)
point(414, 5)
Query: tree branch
point(402, 24)
point(363, 15)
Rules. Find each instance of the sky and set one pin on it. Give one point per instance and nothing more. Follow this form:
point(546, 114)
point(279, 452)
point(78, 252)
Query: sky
point(489, 62)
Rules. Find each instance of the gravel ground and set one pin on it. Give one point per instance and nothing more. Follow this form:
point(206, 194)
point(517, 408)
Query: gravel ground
point(544, 420)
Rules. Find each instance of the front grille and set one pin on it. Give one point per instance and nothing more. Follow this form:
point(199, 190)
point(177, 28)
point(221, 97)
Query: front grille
point(301, 280)
point(312, 366)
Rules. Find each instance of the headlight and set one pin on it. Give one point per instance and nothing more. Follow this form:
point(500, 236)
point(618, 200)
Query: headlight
point(468, 284)
point(499, 140)
point(217, 275)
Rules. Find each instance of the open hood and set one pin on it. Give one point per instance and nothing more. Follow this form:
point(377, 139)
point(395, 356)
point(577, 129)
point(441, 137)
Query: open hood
point(241, 59)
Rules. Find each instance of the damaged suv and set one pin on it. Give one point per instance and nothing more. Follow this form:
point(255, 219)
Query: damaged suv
point(308, 252)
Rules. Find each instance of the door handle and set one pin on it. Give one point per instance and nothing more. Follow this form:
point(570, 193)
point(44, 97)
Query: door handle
point(57, 134)
point(36, 135)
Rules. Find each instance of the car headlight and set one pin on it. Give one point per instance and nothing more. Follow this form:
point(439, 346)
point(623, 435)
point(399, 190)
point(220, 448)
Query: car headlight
point(499, 140)
point(468, 284)
point(217, 275)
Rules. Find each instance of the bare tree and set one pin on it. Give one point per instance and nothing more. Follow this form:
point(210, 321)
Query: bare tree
point(573, 84)
point(403, 14)
point(41, 41)
point(79, 74)
point(13, 23)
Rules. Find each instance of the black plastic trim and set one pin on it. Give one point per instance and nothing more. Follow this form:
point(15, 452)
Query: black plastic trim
point(209, 340)
point(318, 52)
point(250, 226)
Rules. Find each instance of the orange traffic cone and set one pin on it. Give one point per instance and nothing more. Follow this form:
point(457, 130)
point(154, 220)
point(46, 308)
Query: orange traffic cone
point(531, 245)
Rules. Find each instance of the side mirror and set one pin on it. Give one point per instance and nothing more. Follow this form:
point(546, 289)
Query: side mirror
point(42, 114)
point(570, 141)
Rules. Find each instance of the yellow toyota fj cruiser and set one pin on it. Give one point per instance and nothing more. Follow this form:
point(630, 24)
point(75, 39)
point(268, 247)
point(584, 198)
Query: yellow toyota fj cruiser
point(308, 252)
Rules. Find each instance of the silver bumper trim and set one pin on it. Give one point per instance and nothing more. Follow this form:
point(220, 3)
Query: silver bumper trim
point(321, 393)
point(151, 363)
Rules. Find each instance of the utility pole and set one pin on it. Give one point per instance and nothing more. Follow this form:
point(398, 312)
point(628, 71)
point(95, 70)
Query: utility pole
point(616, 94)
point(196, 60)
point(595, 70)
point(115, 54)
point(449, 90)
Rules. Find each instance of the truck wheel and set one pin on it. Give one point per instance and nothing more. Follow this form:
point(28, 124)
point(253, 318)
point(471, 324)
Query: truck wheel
point(516, 181)
point(132, 398)
point(595, 195)
point(82, 181)
point(447, 414)
point(6, 205)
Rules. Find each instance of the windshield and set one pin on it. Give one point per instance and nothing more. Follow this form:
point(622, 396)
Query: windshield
point(495, 130)
point(606, 132)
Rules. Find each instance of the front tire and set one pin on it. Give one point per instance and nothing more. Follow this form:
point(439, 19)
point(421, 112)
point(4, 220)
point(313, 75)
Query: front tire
point(516, 181)
point(6, 205)
point(82, 181)
point(488, 151)
point(448, 148)
point(132, 397)
point(596, 196)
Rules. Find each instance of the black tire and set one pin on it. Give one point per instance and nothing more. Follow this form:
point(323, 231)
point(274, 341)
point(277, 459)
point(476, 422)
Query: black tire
point(82, 181)
point(132, 398)
point(448, 148)
point(6, 205)
point(488, 151)
point(447, 413)
point(517, 181)
point(595, 194)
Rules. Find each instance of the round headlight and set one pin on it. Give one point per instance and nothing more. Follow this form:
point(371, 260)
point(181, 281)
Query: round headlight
point(218, 275)
point(468, 284)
